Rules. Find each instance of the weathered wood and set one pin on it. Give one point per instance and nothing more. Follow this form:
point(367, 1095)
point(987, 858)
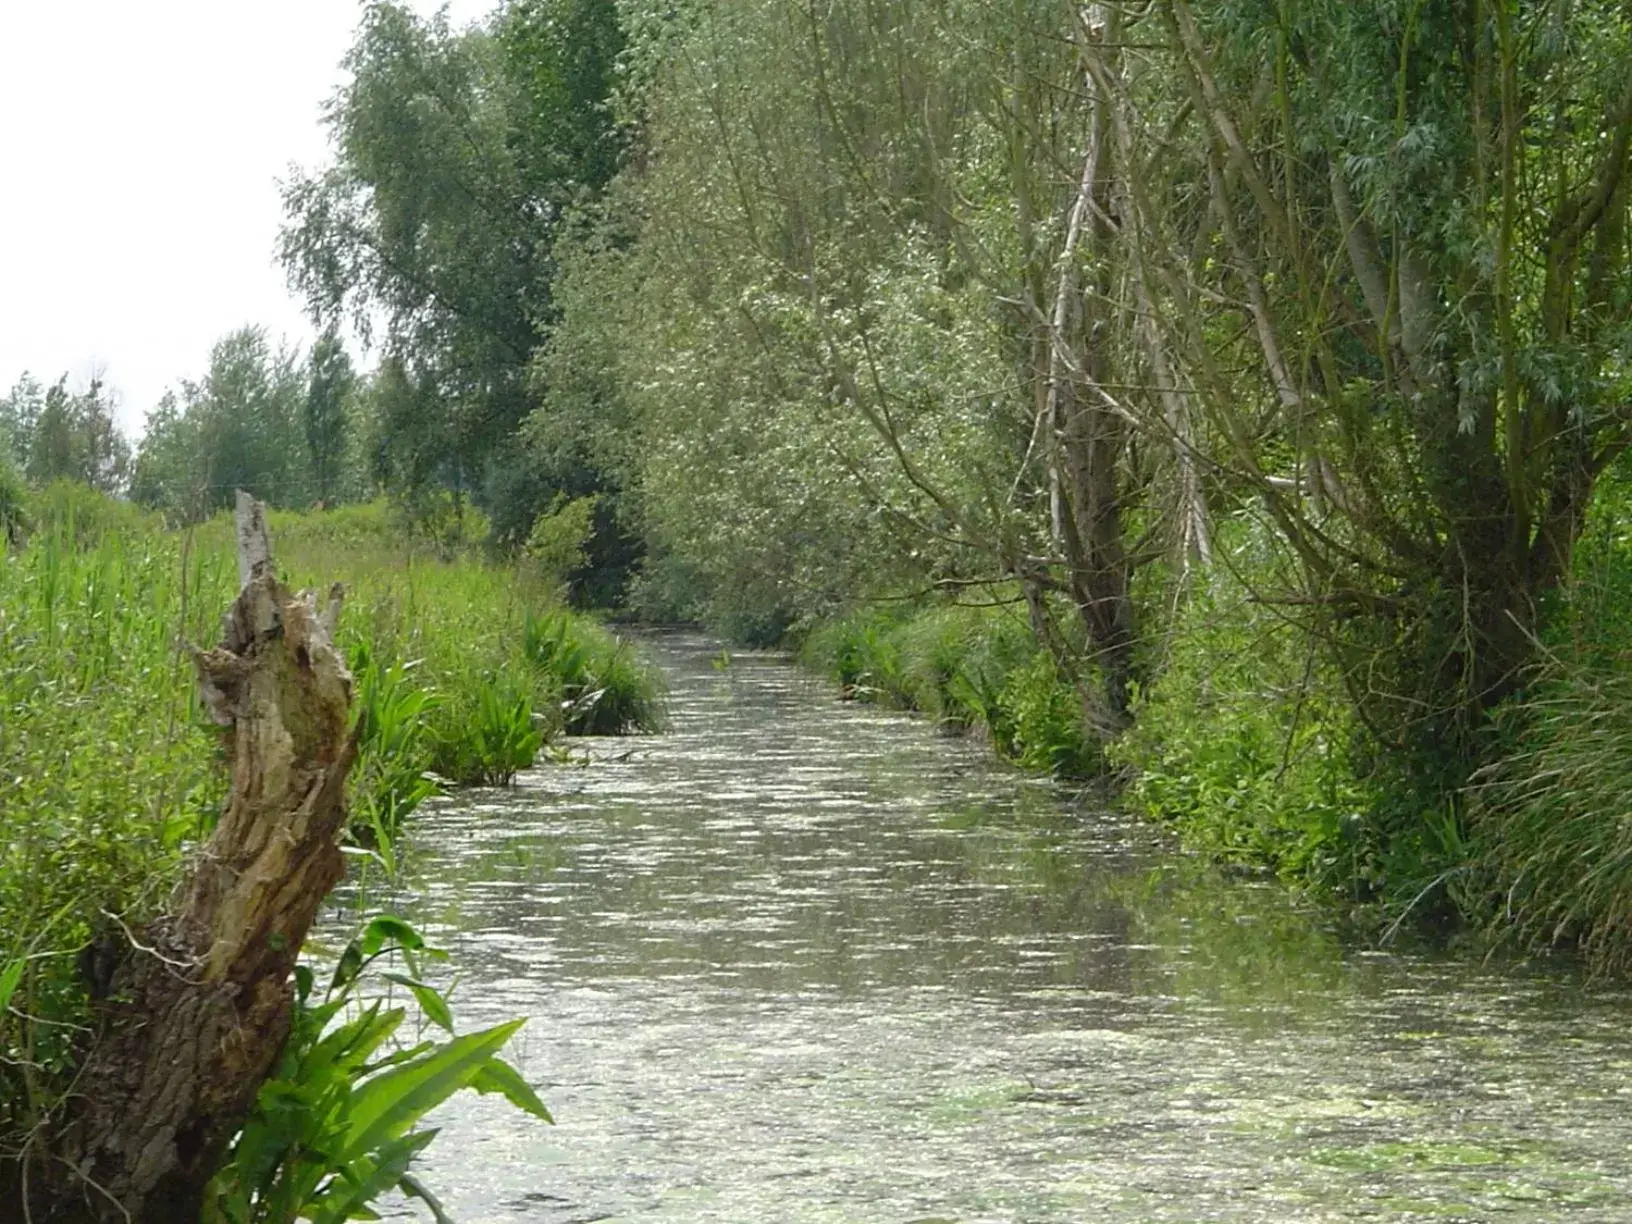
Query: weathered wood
point(200, 1002)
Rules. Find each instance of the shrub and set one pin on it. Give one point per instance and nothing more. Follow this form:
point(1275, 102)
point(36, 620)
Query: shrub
point(1245, 742)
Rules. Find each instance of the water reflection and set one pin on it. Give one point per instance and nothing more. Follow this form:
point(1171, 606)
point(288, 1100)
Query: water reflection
point(797, 960)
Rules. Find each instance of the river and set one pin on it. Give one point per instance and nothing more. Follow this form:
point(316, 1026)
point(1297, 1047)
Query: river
point(802, 960)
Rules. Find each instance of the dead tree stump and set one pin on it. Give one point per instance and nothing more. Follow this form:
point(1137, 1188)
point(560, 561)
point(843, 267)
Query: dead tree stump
point(200, 1001)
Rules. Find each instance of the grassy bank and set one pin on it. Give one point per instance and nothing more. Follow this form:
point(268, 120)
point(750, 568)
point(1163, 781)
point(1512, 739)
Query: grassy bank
point(1246, 743)
point(969, 668)
point(464, 670)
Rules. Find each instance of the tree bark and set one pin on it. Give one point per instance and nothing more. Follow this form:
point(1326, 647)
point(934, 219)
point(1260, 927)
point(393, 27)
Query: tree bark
point(200, 1001)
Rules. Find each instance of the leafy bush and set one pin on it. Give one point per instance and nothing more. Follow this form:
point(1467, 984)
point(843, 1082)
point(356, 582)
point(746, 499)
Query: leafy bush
point(559, 539)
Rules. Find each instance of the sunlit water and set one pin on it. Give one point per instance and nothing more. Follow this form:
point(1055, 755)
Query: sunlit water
point(799, 960)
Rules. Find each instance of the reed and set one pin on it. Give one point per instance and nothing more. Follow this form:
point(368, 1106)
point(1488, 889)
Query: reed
point(110, 769)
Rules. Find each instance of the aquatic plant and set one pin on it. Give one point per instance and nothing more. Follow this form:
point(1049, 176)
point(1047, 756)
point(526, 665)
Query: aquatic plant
point(392, 775)
point(605, 689)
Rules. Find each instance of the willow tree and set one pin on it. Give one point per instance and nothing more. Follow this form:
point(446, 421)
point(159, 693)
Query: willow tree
point(875, 275)
point(1389, 246)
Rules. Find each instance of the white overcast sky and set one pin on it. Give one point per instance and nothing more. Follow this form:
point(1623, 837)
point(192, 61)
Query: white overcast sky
point(141, 146)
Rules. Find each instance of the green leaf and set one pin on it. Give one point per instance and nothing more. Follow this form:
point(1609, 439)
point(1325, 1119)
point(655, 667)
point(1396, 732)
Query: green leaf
point(499, 1076)
point(386, 929)
point(390, 1103)
point(430, 1001)
point(366, 1180)
point(10, 977)
point(347, 969)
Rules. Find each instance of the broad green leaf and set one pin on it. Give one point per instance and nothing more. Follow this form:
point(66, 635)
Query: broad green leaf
point(430, 1001)
point(390, 1103)
point(360, 1184)
point(499, 1076)
point(354, 1042)
point(387, 928)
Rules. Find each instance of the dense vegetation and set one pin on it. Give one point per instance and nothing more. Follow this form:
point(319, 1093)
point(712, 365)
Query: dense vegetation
point(1228, 400)
point(1225, 393)
point(1233, 399)
point(464, 670)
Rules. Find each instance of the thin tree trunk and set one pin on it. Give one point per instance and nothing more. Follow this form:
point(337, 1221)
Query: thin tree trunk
point(199, 1002)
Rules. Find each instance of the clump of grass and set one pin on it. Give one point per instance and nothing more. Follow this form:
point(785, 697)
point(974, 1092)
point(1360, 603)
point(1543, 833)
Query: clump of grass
point(1553, 819)
point(605, 689)
point(966, 667)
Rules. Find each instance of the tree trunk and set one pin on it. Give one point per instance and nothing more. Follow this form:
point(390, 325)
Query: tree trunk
point(199, 1003)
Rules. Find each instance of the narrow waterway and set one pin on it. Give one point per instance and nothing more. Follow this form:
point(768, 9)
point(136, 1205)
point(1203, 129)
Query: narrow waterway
point(799, 960)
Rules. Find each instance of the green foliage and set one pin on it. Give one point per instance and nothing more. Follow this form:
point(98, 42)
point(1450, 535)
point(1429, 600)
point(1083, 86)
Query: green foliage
point(243, 426)
point(1246, 743)
point(337, 1126)
point(325, 416)
point(108, 769)
point(494, 736)
point(558, 541)
point(1551, 818)
point(967, 668)
point(111, 772)
point(84, 517)
point(14, 517)
point(451, 669)
point(390, 777)
point(605, 689)
point(72, 436)
point(456, 154)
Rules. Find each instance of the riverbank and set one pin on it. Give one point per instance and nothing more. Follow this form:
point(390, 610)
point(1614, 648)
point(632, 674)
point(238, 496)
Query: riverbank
point(1245, 741)
point(464, 671)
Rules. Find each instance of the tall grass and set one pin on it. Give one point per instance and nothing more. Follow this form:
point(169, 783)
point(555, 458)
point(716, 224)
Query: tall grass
point(1552, 820)
point(108, 770)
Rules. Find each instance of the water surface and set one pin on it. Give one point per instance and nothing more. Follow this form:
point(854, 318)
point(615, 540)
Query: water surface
point(799, 960)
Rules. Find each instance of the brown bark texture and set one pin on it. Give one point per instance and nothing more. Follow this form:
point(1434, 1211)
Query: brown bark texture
point(200, 1001)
